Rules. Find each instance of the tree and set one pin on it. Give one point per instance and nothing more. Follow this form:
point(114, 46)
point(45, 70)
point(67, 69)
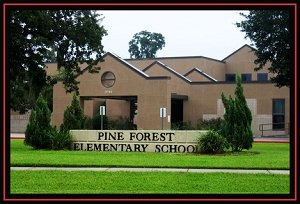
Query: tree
point(74, 118)
point(38, 129)
point(270, 32)
point(145, 44)
point(40, 134)
point(236, 126)
point(72, 37)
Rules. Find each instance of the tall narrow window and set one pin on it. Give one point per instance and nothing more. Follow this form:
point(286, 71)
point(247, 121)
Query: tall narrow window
point(278, 114)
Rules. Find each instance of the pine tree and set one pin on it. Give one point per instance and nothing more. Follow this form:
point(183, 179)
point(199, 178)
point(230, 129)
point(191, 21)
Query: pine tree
point(37, 130)
point(74, 118)
point(236, 127)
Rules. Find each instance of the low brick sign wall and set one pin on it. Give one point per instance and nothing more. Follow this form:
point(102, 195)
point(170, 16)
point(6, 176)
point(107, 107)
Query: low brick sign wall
point(135, 140)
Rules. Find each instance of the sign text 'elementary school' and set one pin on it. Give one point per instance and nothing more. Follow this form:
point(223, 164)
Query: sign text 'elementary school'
point(135, 141)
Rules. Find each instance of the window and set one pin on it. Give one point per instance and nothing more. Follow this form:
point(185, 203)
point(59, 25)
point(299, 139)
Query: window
point(229, 77)
point(246, 77)
point(278, 114)
point(108, 79)
point(262, 76)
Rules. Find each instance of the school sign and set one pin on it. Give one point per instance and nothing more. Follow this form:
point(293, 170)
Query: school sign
point(136, 140)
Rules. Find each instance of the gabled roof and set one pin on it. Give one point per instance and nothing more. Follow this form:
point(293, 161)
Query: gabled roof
point(202, 73)
point(127, 64)
point(133, 68)
point(238, 51)
point(168, 69)
point(183, 57)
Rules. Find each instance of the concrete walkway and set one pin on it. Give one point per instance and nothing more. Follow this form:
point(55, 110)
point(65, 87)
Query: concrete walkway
point(108, 169)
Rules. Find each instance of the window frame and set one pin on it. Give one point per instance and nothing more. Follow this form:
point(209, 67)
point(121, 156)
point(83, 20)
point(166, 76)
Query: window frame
point(246, 75)
point(278, 115)
point(230, 76)
point(264, 75)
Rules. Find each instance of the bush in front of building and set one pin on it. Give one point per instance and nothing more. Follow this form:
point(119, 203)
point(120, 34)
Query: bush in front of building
point(122, 123)
point(60, 139)
point(211, 142)
point(40, 134)
point(94, 123)
point(74, 118)
point(210, 124)
point(236, 127)
point(38, 127)
point(182, 126)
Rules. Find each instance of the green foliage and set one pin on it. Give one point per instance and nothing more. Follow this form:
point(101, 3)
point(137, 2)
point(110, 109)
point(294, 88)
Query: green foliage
point(60, 139)
point(182, 126)
point(68, 36)
point(236, 127)
point(211, 124)
point(145, 44)
point(74, 118)
point(38, 127)
point(95, 122)
point(270, 32)
point(40, 134)
point(211, 143)
point(47, 93)
point(122, 123)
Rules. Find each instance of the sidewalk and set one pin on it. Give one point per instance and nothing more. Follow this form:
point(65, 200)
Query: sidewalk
point(186, 170)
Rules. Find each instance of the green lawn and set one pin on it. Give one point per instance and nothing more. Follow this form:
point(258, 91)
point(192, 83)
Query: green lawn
point(261, 156)
point(83, 182)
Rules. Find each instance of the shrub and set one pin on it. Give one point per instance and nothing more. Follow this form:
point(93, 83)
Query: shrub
point(122, 123)
point(211, 124)
point(182, 126)
point(40, 134)
point(60, 139)
point(88, 124)
point(211, 143)
point(96, 122)
point(38, 127)
point(74, 118)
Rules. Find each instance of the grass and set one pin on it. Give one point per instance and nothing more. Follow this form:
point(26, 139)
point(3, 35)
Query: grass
point(261, 156)
point(82, 182)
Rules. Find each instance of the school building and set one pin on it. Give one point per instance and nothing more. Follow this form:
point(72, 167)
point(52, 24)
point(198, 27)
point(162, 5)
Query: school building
point(189, 88)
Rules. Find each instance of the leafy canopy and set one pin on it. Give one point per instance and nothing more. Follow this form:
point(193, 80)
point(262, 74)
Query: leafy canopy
point(34, 37)
point(271, 33)
point(145, 44)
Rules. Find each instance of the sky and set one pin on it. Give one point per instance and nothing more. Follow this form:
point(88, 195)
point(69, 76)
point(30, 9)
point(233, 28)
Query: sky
point(208, 33)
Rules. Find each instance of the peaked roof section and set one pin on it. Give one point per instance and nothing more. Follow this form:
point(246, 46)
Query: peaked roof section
point(167, 68)
point(182, 57)
point(202, 73)
point(127, 64)
point(238, 51)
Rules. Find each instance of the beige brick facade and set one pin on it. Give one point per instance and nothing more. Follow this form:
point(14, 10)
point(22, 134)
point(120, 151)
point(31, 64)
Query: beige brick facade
point(188, 87)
